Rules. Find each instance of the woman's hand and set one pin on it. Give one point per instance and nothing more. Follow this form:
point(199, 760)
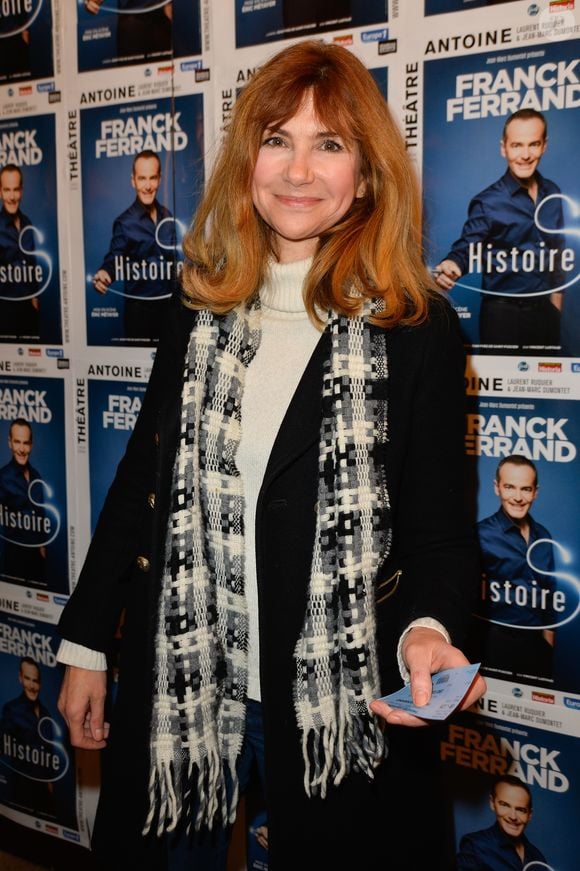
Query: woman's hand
point(82, 704)
point(425, 651)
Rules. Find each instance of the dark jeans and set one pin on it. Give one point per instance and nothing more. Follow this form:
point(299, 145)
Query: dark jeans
point(512, 325)
point(143, 319)
point(208, 851)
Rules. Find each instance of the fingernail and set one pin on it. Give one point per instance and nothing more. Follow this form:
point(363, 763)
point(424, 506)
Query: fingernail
point(420, 697)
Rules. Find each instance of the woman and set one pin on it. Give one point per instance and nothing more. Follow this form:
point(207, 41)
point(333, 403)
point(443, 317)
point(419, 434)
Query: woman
point(290, 504)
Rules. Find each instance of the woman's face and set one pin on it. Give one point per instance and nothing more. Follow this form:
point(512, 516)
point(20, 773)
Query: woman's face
point(305, 180)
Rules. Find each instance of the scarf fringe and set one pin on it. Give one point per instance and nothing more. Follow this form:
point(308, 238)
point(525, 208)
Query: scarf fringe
point(202, 791)
point(332, 751)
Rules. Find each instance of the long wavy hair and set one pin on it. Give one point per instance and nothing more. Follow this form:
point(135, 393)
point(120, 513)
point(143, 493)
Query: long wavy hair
point(375, 250)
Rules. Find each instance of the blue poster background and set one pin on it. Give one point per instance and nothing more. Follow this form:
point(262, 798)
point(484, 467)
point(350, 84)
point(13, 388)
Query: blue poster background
point(30, 144)
point(42, 785)
point(551, 434)
point(461, 155)
point(112, 408)
point(473, 748)
point(97, 34)
point(48, 458)
point(26, 43)
point(286, 19)
point(434, 7)
point(107, 190)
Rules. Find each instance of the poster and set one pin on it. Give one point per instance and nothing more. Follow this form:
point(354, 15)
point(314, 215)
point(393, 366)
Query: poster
point(33, 504)
point(29, 260)
point(542, 766)
point(26, 50)
point(516, 258)
point(142, 172)
point(434, 7)
point(526, 625)
point(258, 22)
point(116, 33)
point(37, 767)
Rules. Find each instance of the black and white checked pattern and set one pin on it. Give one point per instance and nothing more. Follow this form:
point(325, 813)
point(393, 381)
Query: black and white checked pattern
point(201, 642)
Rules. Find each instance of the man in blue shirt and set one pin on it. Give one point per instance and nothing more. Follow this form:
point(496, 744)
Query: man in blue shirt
point(506, 239)
point(504, 846)
point(23, 524)
point(517, 604)
point(18, 268)
point(142, 254)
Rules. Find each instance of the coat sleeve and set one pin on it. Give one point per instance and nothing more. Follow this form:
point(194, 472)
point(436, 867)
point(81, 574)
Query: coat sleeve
point(434, 547)
point(92, 613)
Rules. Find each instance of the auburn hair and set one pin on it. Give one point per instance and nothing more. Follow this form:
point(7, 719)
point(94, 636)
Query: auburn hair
point(375, 250)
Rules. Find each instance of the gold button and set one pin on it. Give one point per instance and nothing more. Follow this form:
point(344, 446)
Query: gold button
point(151, 500)
point(143, 563)
point(156, 439)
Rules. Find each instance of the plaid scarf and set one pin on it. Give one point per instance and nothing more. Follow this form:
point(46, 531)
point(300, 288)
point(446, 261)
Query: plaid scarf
point(198, 717)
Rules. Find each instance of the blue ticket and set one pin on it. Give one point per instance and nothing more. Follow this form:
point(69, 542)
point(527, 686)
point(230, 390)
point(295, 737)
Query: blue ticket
point(448, 688)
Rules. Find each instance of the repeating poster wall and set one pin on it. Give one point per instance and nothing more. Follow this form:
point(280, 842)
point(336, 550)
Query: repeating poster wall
point(142, 171)
point(37, 768)
point(517, 260)
point(29, 261)
point(115, 33)
point(33, 504)
point(25, 40)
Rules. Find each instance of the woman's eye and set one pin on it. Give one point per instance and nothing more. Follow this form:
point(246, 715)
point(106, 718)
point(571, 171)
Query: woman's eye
point(273, 141)
point(331, 145)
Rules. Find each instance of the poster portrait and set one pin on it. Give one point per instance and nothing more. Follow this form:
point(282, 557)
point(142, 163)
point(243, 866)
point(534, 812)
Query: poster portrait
point(26, 49)
point(524, 464)
point(33, 505)
point(30, 308)
point(37, 770)
point(117, 33)
point(258, 22)
point(501, 197)
point(142, 173)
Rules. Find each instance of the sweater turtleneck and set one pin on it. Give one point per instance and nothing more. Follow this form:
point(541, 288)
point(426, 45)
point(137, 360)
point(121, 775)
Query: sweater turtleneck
point(288, 338)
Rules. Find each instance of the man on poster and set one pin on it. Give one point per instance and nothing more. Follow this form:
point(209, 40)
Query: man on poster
point(143, 237)
point(23, 524)
point(143, 27)
point(27, 731)
point(19, 272)
point(504, 239)
point(517, 561)
point(503, 846)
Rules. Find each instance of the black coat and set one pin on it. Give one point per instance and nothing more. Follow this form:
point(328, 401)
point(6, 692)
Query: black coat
point(431, 570)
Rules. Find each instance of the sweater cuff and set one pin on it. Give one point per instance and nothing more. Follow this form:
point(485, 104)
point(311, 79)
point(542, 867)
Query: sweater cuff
point(70, 653)
point(428, 623)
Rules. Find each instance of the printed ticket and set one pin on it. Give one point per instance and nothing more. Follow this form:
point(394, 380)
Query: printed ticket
point(449, 687)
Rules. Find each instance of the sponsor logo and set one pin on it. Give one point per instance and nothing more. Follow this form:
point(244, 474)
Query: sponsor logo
point(561, 5)
point(54, 97)
point(533, 9)
point(388, 47)
point(374, 35)
point(20, 352)
point(63, 364)
point(10, 92)
point(575, 367)
point(60, 600)
point(187, 66)
point(48, 827)
point(43, 597)
point(572, 703)
point(54, 352)
point(343, 40)
point(71, 836)
point(25, 90)
point(35, 352)
point(549, 367)
point(168, 68)
point(547, 698)
point(523, 366)
point(202, 75)
point(517, 692)
point(45, 86)
point(147, 72)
